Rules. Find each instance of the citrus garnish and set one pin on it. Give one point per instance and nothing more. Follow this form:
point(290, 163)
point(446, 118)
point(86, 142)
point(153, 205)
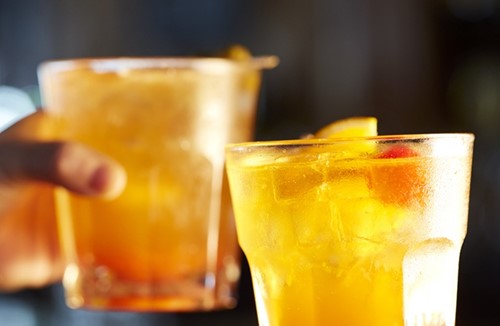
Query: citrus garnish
point(241, 54)
point(349, 127)
point(238, 53)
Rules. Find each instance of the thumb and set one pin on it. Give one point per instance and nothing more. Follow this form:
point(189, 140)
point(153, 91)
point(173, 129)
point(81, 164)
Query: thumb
point(71, 165)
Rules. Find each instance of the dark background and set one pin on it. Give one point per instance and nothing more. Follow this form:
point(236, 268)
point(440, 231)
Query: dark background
point(419, 66)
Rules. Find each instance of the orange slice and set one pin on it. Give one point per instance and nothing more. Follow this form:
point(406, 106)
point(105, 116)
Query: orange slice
point(238, 53)
point(250, 81)
point(349, 127)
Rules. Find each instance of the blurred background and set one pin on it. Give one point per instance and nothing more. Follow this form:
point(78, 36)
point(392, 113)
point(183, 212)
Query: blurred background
point(417, 65)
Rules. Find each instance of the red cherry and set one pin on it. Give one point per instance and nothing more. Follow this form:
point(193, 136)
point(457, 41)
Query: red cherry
point(398, 151)
point(402, 182)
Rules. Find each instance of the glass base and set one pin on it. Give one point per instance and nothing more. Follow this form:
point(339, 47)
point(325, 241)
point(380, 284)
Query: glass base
point(180, 295)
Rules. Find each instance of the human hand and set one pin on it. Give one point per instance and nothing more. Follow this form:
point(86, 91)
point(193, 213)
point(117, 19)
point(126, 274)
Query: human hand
point(30, 165)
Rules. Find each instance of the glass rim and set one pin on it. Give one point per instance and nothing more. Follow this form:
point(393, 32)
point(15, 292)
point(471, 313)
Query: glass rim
point(117, 64)
point(466, 136)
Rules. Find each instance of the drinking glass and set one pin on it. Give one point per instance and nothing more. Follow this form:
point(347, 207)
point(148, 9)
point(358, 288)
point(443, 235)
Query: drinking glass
point(358, 232)
point(167, 242)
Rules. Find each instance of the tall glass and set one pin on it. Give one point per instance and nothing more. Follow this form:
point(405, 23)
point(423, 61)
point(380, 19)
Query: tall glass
point(168, 242)
point(353, 232)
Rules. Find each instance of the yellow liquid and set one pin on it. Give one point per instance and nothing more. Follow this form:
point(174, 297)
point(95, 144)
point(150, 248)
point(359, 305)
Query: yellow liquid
point(360, 240)
point(168, 242)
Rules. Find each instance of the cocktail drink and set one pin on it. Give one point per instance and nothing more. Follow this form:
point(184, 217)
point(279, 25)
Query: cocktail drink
point(353, 231)
point(167, 242)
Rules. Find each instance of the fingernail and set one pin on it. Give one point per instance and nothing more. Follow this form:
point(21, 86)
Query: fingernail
point(108, 181)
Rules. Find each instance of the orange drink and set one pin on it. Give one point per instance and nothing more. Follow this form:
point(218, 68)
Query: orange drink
point(353, 231)
point(167, 242)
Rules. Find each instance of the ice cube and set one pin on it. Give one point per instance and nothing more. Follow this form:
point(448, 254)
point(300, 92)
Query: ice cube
point(293, 180)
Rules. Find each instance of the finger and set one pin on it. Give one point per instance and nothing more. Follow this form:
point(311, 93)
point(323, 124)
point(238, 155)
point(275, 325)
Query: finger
point(70, 165)
point(34, 126)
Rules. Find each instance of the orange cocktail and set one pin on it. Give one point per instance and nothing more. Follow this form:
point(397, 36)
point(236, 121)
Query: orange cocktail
point(167, 242)
point(353, 231)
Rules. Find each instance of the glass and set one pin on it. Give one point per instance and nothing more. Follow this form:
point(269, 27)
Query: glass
point(167, 242)
point(363, 231)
